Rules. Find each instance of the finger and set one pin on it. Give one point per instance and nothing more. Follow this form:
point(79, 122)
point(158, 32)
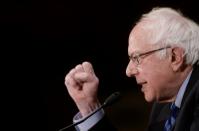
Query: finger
point(71, 73)
point(71, 83)
point(79, 68)
point(82, 77)
point(88, 67)
point(69, 79)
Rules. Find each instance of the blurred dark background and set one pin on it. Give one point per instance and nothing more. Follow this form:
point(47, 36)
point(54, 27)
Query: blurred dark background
point(42, 40)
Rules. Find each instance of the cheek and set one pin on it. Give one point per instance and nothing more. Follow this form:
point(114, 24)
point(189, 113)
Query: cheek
point(155, 80)
point(150, 90)
point(146, 73)
point(157, 74)
point(154, 72)
point(157, 85)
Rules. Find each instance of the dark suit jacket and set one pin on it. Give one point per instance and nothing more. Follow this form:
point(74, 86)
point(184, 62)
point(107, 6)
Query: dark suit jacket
point(188, 117)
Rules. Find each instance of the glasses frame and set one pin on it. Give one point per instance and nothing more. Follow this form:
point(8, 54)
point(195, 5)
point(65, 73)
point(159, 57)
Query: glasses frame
point(137, 58)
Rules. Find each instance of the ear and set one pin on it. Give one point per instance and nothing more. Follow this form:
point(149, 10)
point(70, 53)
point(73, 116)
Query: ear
point(177, 58)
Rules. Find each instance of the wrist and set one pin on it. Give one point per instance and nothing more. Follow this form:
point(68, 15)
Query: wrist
point(86, 108)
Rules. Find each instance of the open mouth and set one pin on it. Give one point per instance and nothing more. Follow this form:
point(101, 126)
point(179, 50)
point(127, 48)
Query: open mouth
point(141, 83)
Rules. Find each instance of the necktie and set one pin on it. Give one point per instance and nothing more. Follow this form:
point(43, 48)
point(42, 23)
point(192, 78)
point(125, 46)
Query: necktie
point(170, 122)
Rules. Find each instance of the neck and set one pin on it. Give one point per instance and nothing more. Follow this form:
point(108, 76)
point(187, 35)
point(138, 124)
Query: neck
point(179, 78)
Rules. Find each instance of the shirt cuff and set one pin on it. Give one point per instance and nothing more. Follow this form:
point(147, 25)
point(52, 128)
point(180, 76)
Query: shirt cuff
point(90, 122)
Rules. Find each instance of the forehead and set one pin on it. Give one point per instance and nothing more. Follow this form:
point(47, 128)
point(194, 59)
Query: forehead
point(138, 41)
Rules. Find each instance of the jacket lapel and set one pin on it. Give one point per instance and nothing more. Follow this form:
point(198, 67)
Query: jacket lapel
point(185, 116)
point(194, 77)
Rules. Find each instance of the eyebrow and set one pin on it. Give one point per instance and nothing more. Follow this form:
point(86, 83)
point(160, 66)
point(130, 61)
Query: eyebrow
point(134, 53)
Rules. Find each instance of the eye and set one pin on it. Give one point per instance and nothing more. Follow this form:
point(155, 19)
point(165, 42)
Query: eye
point(134, 58)
point(130, 57)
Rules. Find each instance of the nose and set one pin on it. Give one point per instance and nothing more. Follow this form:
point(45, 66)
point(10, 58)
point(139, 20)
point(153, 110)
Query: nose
point(131, 69)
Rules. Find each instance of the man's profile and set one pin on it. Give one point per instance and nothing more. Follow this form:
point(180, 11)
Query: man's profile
point(163, 55)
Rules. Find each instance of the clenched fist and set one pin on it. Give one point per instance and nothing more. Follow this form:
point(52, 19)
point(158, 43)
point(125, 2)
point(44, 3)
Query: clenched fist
point(82, 85)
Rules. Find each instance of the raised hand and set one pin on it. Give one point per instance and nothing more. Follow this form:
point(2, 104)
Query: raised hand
point(82, 85)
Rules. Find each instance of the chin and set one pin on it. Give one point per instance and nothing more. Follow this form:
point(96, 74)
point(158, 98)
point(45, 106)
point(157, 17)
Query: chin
point(148, 98)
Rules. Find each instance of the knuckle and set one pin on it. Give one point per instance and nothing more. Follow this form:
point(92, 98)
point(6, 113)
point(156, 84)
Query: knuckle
point(97, 80)
point(67, 80)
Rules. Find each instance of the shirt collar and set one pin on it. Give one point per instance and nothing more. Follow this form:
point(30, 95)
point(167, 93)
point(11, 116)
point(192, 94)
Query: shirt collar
point(181, 92)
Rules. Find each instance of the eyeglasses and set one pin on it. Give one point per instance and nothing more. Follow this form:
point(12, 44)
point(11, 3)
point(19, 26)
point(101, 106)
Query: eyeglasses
point(137, 58)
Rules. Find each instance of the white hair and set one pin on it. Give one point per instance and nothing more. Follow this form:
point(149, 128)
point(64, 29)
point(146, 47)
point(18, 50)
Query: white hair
point(169, 27)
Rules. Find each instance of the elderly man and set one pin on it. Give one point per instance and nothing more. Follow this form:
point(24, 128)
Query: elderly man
point(164, 58)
